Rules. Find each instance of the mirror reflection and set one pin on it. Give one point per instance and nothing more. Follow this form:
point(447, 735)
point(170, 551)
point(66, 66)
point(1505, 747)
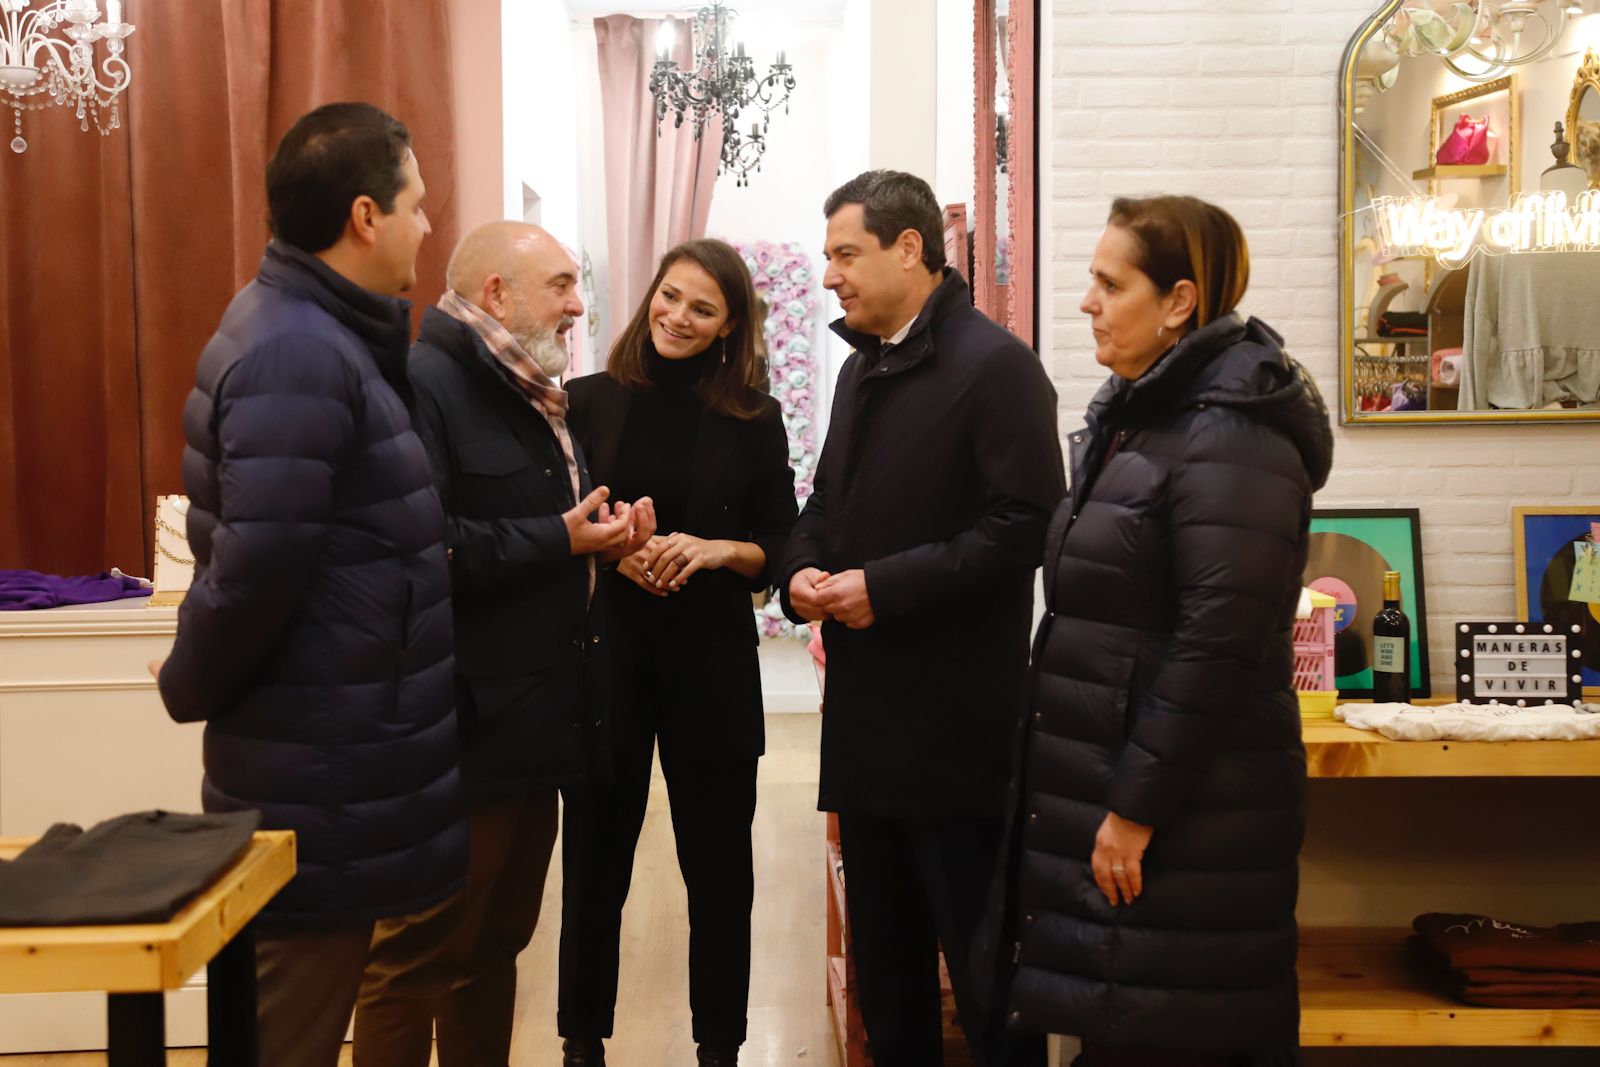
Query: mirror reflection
point(1471, 233)
point(1587, 129)
point(1002, 184)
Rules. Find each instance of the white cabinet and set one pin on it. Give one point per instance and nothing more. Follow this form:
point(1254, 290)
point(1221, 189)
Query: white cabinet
point(83, 737)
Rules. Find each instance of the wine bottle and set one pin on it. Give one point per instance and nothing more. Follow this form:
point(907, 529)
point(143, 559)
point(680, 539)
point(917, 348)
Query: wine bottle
point(1391, 647)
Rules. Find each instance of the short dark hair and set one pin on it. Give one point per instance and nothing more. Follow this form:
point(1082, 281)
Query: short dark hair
point(893, 202)
point(1182, 238)
point(328, 158)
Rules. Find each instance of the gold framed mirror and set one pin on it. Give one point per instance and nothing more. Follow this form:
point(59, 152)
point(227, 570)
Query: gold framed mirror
point(1583, 118)
point(1464, 285)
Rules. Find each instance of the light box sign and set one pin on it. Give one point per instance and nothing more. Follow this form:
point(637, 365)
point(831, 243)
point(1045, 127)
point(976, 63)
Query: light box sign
point(1536, 222)
point(1521, 663)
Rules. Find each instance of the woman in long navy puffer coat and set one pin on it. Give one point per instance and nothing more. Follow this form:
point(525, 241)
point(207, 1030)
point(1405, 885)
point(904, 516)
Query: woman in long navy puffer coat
point(1160, 804)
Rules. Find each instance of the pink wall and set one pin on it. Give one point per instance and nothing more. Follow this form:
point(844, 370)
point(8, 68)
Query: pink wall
point(480, 151)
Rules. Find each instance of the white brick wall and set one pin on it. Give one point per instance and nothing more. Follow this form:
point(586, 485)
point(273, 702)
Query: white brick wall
point(1234, 101)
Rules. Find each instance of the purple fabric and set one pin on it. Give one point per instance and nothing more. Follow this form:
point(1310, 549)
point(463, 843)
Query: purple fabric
point(20, 590)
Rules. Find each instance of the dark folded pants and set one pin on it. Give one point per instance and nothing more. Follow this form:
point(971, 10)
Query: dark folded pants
point(140, 868)
point(1466, 942)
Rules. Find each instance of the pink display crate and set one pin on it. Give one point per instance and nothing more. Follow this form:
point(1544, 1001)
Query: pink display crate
point(1313, 658)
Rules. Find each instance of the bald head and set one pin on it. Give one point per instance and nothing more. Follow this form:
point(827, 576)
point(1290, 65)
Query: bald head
point(505, 248)
point(523, 278)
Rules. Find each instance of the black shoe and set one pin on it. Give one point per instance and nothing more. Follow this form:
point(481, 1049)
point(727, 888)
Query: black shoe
point(583, 1052)
point(711, 1056)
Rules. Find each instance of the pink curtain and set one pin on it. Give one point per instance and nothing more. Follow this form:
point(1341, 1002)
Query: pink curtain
point(658, 185)
point(118, 254)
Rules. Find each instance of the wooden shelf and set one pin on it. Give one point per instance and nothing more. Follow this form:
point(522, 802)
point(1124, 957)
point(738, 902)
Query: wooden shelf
point(1334, 750)
point(1441, 171)
point(1357, 988)
point(837, 1001)
point(836, 880)
point(848, 1030)
point(1376, 340)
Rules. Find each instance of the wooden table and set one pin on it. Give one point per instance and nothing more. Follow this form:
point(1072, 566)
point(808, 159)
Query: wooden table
point(1334, 750)
point(135, 965)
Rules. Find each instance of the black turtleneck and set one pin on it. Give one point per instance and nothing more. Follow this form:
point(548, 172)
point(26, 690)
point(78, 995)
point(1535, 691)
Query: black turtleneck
point(657, 448)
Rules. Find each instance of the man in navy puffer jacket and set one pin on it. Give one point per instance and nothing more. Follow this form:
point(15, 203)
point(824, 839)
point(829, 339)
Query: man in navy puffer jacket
point(315, 641)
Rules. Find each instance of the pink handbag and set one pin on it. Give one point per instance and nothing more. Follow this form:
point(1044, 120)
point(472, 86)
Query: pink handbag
point(1468, 143)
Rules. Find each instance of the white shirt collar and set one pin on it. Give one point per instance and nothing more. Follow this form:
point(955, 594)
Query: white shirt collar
point(900, 335)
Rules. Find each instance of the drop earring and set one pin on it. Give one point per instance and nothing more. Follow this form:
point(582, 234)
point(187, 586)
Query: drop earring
point(724, 351)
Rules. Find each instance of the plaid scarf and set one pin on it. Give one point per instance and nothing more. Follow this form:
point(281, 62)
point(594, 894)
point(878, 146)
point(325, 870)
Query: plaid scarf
point(538, 386)
point(547, 398)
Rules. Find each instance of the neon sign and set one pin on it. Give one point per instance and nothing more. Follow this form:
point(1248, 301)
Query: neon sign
point(1536, 222)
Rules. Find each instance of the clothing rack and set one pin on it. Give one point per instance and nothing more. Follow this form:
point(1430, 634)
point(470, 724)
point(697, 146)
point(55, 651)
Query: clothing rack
point(1390, 360)
point(1375, 377)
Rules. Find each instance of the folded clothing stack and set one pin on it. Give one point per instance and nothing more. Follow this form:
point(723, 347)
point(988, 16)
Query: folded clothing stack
point(1474, 722)
point(21, 590)
point(1446, 366)
point(1403, 324)
point(1498, 964)
point(139, 868)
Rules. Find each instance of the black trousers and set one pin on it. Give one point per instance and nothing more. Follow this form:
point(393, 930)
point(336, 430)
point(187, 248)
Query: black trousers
point(913, 886)
point(713, 805)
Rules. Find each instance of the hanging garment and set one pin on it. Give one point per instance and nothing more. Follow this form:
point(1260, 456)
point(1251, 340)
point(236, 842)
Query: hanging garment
point(1532, 335)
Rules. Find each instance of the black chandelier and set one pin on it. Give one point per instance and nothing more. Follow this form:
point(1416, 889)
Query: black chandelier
point(720, 81)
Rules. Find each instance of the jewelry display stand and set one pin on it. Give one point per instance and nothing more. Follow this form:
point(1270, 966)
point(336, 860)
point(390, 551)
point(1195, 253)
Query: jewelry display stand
point(174, 562)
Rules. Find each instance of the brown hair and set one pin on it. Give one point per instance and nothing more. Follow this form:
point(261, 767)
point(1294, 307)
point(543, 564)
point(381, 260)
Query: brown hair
point(727, 387)
point(1182, 238)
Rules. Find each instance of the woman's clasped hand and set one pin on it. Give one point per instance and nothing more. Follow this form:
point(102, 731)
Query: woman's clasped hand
point(667, 562)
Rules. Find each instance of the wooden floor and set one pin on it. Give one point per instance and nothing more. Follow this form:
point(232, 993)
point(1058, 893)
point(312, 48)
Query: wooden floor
point(789, 1021)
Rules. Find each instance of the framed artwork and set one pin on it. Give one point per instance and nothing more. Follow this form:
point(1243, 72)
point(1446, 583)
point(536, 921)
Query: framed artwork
point(1496, 101)
point(1350, 550)
point(1549, 551)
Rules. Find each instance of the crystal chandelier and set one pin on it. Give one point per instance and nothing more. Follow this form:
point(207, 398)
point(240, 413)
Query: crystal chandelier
point(720, 81)
point(49, 49)
point(1480, 40)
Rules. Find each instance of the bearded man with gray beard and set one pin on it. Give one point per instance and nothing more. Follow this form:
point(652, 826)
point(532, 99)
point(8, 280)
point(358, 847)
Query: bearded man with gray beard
point(525, 532)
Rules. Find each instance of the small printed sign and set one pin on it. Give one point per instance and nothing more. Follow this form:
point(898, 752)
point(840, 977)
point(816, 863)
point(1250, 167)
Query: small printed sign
point(1389, 654)
point(1586, 573)
point(1519, 663)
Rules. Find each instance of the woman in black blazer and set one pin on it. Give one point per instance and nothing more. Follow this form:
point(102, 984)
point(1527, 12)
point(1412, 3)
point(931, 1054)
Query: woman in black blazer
point(677, 416)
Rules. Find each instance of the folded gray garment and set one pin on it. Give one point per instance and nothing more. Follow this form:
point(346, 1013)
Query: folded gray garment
point(140, 868)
